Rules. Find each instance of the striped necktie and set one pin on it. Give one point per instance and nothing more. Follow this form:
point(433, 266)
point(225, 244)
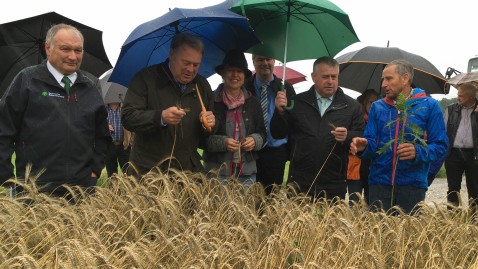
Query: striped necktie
point(265, 105)
point(67, 82)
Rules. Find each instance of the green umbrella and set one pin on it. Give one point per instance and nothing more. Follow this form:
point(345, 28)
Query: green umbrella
point(292, 30)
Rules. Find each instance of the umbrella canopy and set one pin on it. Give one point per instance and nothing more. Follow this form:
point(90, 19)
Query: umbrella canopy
point(291, 75)
point(362, 69)
point(149, 44)
point(112, 92)
point(462, 78)
point(292, 30)
point(22, 44)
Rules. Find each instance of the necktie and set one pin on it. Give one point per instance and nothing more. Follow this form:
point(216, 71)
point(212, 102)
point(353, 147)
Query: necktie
point(67, 82)
point(265, 104)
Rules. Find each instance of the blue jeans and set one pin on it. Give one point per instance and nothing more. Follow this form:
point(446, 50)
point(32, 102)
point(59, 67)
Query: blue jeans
point(406, 197)
point(247, 180)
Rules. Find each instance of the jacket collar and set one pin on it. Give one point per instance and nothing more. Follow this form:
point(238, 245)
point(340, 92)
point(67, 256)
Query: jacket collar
point(220, 88)
point(417, 95)
point(42, 73)
point(274, 84)
point(311, 97)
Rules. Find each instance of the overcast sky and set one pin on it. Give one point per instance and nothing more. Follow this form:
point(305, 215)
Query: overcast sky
point(441, 31)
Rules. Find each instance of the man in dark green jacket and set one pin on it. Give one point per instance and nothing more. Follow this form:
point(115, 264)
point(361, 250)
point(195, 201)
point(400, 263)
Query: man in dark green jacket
point(163, 109)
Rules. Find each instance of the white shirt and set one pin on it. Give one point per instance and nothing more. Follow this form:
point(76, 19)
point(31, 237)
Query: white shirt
point(59, 76)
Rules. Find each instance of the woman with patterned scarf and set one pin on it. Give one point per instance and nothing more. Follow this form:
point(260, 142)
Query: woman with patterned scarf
point(232, 149)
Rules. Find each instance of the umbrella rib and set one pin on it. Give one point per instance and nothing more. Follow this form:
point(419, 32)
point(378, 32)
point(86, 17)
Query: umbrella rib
point(296, 13)
point(24, 55)
point(27, 34)
point(370, 79)
point(185, 28)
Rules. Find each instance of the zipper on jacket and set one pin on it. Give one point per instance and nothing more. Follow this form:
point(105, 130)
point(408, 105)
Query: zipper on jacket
point(68, 138)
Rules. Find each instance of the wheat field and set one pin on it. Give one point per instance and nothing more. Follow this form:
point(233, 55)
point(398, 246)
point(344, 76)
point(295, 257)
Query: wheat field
point(186, 220)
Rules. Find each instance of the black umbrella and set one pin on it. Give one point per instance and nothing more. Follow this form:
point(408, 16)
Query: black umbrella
point(362, 69)
point(22, 44)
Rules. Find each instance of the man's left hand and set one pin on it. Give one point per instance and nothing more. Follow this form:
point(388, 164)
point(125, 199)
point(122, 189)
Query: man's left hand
point(340, 133)
point(406, 151)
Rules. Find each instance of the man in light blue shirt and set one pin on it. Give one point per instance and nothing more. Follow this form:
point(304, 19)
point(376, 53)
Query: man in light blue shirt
point(321, 130)
point(274, 155)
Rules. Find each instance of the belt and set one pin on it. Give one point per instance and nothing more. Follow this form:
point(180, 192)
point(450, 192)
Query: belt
point(117, 143)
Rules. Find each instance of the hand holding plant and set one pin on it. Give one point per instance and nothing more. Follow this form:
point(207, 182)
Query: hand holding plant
point(406, 151)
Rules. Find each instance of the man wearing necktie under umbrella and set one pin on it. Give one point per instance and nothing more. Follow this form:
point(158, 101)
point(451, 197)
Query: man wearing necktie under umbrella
point(53, 117)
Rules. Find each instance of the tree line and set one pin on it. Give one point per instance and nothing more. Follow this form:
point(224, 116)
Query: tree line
point(446, 102)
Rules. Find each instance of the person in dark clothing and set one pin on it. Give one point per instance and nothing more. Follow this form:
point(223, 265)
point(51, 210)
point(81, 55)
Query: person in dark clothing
point(358, 170)
point(163, 109)
point(275, 153)
point(321, 124)
point(240, 133)
point(53, 117)
point(461, 121)
point(119, 148)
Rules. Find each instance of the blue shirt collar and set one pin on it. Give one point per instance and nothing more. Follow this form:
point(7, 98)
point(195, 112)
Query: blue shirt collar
point(318, 96)
point(258, 83)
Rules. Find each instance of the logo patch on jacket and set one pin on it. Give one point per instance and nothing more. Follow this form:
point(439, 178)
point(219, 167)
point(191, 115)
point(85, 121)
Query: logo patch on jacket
point(57, 95)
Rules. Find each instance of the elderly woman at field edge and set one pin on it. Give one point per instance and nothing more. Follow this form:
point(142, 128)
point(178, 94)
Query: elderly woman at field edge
point(240, 132)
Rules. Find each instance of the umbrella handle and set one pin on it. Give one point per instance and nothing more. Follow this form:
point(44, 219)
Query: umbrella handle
point(203, 118)
point(291, 105)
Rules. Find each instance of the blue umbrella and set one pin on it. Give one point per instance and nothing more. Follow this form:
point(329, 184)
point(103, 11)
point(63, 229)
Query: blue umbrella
point(148, 44)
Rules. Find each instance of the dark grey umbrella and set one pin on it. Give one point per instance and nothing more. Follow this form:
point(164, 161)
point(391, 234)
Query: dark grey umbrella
point(362, 69)
point(22, 44)
point(112, 92)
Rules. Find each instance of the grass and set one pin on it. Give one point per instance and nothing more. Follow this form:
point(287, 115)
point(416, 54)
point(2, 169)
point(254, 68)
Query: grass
point(104, 176)
point(442, 172)
point(188, 221)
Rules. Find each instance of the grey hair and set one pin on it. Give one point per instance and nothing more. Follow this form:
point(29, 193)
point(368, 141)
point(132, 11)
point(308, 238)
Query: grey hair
point(189, 40)
point(468, 88)
point(325, 60)
point(50, 35)
point(403, 67)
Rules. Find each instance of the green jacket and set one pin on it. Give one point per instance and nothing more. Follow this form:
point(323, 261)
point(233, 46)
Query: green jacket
point(152, 90)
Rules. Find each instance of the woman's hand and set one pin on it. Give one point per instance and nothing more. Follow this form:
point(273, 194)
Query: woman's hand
point(232, 145)
point(248, 144)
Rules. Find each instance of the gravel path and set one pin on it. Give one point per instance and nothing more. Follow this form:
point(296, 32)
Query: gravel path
point(437, 192)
